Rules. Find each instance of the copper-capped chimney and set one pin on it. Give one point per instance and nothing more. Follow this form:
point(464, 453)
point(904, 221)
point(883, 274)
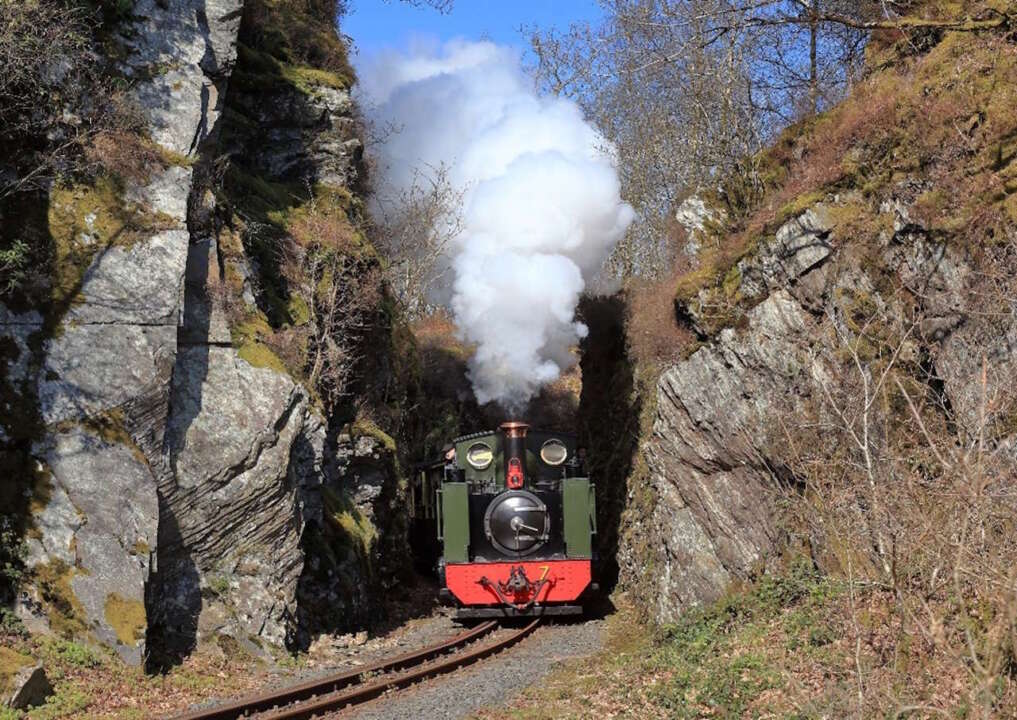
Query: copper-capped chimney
point(515, 453)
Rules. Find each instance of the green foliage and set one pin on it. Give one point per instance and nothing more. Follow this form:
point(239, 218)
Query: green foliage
point(68, 652)
point(14, 260)
point(719, 658)
point(11, 625)
point(219, 585)
point(12, 556)
point(66, 702)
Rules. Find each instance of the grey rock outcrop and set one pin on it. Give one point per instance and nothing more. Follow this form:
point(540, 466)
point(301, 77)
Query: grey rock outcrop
point(246, 451)
point(109, 365)
point(693, 215)
point(185, 50)
point(308, 135)
point(787, 260)
point(177, 471)
point(235, 504)
point(101, 521)
point(800, 245)
point(715, 457)
point(32, 687)
point(712, 521)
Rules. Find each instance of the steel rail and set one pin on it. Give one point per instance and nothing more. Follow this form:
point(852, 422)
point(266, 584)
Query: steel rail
point(323, 686)
point(369, 691)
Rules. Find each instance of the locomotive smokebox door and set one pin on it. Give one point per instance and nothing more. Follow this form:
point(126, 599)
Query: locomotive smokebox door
point(517, 523)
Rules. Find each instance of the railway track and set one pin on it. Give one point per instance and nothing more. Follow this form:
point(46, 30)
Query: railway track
point(335, 692)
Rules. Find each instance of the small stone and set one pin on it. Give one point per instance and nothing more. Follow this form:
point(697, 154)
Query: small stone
point(32, 688)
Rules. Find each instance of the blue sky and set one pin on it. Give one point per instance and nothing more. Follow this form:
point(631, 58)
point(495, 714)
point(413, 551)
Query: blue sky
point(376, 24)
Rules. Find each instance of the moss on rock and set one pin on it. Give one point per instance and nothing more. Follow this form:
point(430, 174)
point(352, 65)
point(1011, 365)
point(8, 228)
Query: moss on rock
point(261, 73)
point(248, 339)
point(11, 663)
point(65, 612)
point(87, 218)
point(942, 119)
point(111, 428)
point(353, 529)
point(126, 617)
point(367, 428)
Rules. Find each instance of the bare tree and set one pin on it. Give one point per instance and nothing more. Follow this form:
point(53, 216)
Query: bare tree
point(688, 91)
point(417, 226)
point(44, 55)
point(341, 289)
point(677, 112)
point(442, 6)
point(907, 500)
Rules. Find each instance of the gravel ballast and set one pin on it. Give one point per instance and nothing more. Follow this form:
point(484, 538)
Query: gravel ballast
point(490, 683)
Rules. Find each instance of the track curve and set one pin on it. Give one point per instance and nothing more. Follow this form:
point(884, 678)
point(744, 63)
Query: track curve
point(312, 698)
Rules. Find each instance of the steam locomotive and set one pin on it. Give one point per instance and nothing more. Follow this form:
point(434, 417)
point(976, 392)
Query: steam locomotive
point(511, 515)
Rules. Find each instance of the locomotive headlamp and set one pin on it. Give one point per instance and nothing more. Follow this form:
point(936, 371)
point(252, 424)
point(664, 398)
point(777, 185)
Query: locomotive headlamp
point(479, 456)
point(554, 452)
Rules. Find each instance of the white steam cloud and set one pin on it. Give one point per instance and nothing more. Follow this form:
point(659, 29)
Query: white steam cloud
point(541, 206)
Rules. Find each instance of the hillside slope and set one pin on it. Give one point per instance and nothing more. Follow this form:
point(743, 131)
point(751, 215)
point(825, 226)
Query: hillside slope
point(849, 392)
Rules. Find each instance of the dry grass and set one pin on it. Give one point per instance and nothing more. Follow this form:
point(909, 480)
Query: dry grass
point(784, 648)
point(95, 684)
point(438, 330)
point(655, 335)
point(908, 502)
point(300, 32)
point(899, 495)
point(126, 154)
point(943, 117)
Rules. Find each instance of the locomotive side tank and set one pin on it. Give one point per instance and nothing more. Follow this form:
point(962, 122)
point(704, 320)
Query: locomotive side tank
point(515, 517)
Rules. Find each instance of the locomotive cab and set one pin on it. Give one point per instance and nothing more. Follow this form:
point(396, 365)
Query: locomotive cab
point(514, 517)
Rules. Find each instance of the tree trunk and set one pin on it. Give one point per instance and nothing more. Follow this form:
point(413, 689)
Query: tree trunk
point(813, 62)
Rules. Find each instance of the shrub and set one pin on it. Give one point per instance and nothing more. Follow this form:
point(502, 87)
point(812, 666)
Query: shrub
point(656, 336)
point(12, 555)
point(70, 653)
point(300, 32)
point(14, 261)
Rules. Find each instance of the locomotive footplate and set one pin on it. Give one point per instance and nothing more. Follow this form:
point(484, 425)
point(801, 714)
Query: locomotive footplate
point(486, 613)
point(520, 585)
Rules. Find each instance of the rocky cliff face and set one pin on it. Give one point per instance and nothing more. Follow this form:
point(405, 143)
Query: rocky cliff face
point(173, 461)
point(876, 261)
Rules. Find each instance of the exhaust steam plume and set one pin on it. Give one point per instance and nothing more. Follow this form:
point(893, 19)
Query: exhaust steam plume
point(541, 201)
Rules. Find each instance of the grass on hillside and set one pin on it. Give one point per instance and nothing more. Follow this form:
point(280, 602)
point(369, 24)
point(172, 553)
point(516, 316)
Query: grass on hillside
point(786, 647)
point(942, 118)
point(92, 684)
